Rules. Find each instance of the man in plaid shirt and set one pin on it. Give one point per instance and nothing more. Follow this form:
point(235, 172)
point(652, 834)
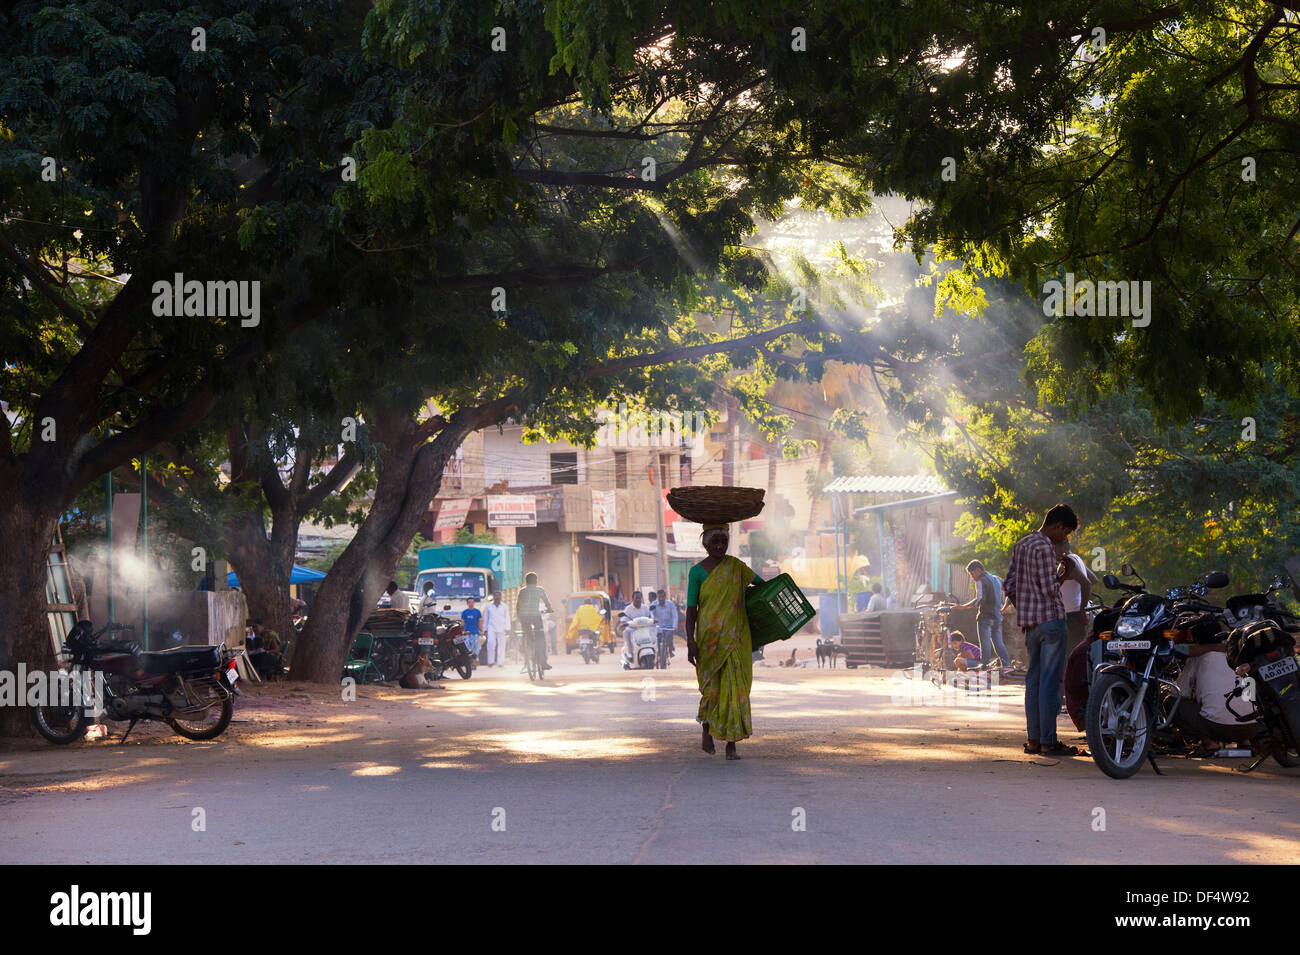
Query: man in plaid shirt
point(1031, 588)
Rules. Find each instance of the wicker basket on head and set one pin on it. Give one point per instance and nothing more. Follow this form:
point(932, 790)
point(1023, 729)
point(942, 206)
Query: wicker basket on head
point(712, 504)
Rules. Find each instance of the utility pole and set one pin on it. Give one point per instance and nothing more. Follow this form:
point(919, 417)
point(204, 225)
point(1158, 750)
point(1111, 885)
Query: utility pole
point(144, 543)
point(729, 466)
point(656, 471)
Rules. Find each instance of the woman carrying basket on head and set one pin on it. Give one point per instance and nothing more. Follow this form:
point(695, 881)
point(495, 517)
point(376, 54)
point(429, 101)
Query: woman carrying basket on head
point(718, 643)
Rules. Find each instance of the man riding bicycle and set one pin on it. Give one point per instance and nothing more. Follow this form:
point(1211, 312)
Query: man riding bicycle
point(665, 613)
point(529, 611)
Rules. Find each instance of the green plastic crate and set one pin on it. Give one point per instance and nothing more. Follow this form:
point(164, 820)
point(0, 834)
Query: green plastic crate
point(777, 610)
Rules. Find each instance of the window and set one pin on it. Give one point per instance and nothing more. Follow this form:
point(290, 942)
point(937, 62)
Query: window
point(564, 468)
point(665, 461)
point(620, 469)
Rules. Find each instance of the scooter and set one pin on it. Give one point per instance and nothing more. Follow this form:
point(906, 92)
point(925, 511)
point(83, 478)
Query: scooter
point(644, 634)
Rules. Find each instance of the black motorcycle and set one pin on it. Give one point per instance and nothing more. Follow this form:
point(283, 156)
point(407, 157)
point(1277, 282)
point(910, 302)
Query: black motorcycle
point(1134, 689)
point(439, 638)
point(1262, 650)
point(189, 688)
point(1135, 694)
point(588, 646)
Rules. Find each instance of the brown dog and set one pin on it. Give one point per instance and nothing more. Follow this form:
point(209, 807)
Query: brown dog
point(415, 679)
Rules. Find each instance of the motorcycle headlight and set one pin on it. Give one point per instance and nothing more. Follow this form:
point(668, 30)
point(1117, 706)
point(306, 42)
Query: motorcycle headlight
point(1132, 626)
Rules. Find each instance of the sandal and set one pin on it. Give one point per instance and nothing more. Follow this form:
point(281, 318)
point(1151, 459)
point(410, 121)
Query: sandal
point(1061, 749)
point(1033, 749)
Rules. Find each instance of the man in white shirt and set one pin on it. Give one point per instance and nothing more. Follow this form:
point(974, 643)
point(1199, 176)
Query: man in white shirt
point(429, 602)
point(1205, 682)
point(496, 621)
point(1075, 581)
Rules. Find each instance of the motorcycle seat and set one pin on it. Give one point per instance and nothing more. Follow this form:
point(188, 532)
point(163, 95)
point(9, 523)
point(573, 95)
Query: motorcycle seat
point(120, 646)
point(180, 659)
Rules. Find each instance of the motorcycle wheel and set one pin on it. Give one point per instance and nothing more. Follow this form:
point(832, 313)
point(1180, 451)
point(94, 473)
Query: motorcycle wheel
point(1118, 754)
point(207, 728)
point(465, 669)
point(60, 724)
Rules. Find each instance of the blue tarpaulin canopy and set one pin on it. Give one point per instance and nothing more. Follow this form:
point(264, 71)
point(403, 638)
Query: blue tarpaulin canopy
point(300, 575)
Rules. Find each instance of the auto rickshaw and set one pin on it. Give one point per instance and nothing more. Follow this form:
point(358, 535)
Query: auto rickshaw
point(604, 635)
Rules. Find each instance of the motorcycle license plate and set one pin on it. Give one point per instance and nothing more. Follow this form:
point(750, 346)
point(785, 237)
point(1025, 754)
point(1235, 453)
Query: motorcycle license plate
point(1282, 667)
point(1128, 644)
point(426, 641)
point(232, 676)
point(459, 640)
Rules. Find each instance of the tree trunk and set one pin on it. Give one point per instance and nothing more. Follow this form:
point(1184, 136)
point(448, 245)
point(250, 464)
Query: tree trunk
point(410, 475)
point(26, 531)
point(264, 567)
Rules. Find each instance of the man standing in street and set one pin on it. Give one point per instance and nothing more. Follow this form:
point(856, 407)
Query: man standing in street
point(496, 619)
point(665, 613)
point(529, 609)
point(988, 619)
point(471, 617)
point(1031, 588)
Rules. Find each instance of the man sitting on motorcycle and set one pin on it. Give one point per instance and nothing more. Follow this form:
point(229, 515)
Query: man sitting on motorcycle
point(1206, 682)
point(629, 613)
point(587, 619)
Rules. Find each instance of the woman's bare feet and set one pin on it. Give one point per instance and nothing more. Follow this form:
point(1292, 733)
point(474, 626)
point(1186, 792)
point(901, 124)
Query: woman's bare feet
point(731, 751)
point(706, 741)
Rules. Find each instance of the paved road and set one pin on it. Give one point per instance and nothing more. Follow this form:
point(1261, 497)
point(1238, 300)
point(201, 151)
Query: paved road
point(599, 765)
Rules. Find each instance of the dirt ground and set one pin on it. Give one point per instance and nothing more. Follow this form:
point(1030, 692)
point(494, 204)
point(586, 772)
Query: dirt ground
point(602, 765)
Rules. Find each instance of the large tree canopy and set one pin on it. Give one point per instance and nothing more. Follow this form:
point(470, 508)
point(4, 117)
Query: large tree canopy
point(546, 194)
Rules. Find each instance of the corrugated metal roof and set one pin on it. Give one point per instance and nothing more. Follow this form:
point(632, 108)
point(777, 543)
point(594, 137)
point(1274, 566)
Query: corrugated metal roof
point(642, 545)
point(888, 484)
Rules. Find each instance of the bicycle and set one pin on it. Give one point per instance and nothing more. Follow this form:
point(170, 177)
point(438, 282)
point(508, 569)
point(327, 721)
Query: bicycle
point(931, 642)
point(533, 653)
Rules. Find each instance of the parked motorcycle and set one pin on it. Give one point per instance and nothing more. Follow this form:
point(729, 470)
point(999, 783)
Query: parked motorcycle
point(1134, 687)
point(189, 688)
point(443, 640)
point(644, 634)
point(1262, 650)
point(1135, 691)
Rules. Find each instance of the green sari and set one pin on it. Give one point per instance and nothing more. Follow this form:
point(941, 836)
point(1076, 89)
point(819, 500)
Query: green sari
point(725, 669)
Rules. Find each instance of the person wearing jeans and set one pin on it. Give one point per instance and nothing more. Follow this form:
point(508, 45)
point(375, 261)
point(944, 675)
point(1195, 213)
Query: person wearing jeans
point(988, 621)
point(1045, 643)
point(1031, 588)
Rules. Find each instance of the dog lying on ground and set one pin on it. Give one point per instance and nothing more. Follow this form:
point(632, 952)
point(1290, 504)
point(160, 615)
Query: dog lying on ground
point(415, 679)
point(828, 650)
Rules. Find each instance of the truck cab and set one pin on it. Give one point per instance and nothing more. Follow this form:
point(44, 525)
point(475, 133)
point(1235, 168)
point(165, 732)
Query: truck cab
point(453, 586)
point(461, 571)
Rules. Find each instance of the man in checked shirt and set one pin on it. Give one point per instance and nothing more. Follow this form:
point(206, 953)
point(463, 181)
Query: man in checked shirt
point(1031, 588)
